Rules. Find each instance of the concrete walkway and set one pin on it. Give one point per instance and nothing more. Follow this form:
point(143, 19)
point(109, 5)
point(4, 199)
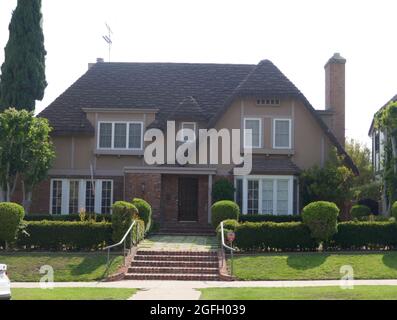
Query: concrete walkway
point(187, 290)
point(167, 285)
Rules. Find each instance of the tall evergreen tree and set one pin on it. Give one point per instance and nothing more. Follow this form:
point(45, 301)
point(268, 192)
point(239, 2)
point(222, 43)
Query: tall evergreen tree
point(22, 79)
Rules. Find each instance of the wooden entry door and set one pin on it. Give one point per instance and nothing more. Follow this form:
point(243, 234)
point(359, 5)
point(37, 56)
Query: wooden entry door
point(187, 199)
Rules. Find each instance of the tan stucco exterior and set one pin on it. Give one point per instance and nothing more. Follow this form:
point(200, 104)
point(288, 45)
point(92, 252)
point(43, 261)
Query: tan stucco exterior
point(309, 144)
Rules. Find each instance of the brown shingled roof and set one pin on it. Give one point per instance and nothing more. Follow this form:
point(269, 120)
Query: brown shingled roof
point(175, 89)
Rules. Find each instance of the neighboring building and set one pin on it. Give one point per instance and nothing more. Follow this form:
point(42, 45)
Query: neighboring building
point(378, 152)
point(99, 123)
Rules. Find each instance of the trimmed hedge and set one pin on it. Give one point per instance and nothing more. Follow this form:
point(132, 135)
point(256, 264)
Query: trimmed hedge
point(366, 235)
point(270, 236)
point(359, 211)
point(144, 212)
point(123, 215)
point(65, 235)
point(11, 215)
point(322, 219)
point(224, 210)
point(270, 218)
point(68, 217)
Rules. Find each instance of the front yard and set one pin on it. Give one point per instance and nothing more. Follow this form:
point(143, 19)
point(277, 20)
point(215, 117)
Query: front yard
point(308, 293)
point(25, 267)
point(73, 294)
point(315, 266)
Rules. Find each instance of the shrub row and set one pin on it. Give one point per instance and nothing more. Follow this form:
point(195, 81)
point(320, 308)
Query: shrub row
point(270, 218)
point(69, 217)
point(68, 235)
point(271, 236)
point(295, 236)
point(366, 235)
point(65, 235)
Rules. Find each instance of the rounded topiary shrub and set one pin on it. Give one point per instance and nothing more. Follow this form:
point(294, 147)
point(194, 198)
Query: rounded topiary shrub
point(322, 219)
point(123, 214)
point(11, 216)
point(360, 211)
point(144, 212)
point(394, 210)
point(224, 210)
point(222, 189)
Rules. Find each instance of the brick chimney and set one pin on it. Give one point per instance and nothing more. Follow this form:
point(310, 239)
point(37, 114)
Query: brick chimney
point(335, 94)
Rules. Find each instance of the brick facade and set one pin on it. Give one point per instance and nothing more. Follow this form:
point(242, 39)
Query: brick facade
point(146, 186)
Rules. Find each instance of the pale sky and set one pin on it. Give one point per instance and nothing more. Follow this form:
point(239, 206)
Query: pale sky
point(298, 36)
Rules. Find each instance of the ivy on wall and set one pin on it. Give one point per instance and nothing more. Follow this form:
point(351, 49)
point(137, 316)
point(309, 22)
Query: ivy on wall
point(386, 121)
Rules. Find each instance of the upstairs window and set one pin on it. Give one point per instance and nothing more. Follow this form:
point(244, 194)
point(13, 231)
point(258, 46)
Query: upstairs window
point(120, 135)
point(252, 133)
point(282, 134)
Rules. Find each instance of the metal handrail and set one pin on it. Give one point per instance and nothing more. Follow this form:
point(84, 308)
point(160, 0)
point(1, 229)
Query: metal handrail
point(223, 239)
point(121, 242)
point(225, 246)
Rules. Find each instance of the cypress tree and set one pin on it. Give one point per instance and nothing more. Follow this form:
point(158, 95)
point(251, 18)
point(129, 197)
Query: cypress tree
point(22, 79)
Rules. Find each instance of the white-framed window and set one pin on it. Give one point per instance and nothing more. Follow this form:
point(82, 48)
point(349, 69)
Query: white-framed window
point(252, 133)
point(56, 197)
point(186, 126)
point(282, 134)
point(69, 196)
point(265, 194)
point(119, 135)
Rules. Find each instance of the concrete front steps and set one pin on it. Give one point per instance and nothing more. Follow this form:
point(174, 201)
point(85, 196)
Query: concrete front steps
point(186, 228)
point(174, 265)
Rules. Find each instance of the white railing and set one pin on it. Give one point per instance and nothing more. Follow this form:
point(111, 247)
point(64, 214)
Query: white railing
point(123, 241)
point(225, 246)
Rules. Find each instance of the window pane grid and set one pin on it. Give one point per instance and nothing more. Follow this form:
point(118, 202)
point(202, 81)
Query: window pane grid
point(106, 197)
point(135, 139)
point(105, 135)
point(252, 138)
point(56, 197)
point(74, 197)
point(267, 196)
point(90, 197)
point(282, 133)
point(253, 196)
point(120, 135)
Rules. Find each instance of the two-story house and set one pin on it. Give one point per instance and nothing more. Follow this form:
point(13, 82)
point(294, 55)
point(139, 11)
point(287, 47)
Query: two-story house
point(100, 121)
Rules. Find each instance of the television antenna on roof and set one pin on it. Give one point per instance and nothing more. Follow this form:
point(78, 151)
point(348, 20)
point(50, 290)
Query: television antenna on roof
point(108, 39)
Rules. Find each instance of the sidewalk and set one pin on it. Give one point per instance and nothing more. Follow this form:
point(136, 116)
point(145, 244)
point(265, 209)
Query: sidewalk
point(146, 284)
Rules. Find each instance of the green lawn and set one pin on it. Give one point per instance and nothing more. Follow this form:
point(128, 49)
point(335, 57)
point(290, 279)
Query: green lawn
point(67, 266)
point(308, 293)
point(73, 294)
point(315, 266)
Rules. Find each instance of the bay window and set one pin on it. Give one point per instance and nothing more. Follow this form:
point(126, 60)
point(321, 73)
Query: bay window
point(265, 194)
point(120, 135)
point(70, 196)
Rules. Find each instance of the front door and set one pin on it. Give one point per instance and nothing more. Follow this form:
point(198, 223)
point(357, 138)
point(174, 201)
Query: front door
point(188, 199)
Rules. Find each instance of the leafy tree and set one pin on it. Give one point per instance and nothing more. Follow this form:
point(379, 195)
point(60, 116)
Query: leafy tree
point(331, 183)
point(26, 152)
point(38, 157)
point(364, 185)
point(361, 156)
point(22, 79)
